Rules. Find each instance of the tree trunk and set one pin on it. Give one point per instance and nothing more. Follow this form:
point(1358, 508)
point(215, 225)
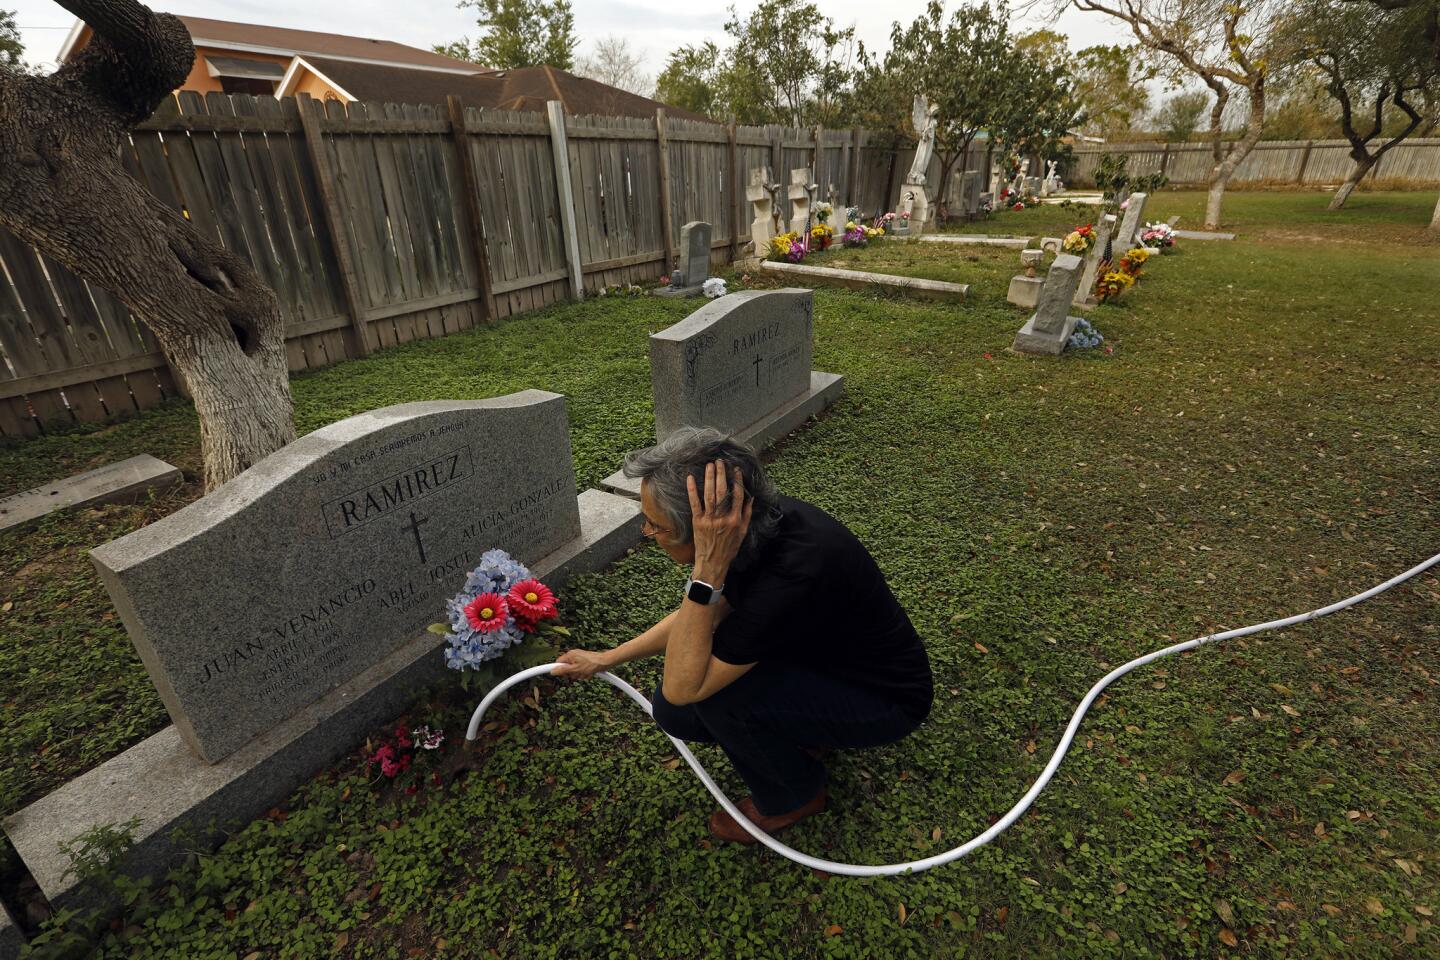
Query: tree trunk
point(1435, 220)
point(1222, 172)
point(63, 190)
point(1357, 173)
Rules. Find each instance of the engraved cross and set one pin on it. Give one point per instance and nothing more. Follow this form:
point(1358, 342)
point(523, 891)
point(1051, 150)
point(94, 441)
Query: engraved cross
point(414, 527)
point(757, 369)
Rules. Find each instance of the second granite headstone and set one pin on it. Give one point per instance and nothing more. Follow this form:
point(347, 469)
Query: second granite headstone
point(689, 278)
point(741, 364)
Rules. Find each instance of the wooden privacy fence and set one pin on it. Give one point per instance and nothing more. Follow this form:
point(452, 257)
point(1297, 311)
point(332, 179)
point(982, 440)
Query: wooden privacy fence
point(379, 224)
point(1272, 161)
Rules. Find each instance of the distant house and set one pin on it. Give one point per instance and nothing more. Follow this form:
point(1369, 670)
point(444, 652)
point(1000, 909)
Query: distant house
point(278, 61)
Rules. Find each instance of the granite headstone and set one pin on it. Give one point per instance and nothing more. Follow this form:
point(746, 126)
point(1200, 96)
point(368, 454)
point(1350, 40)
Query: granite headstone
point(689, 279)
point(1130, 223)
point(741, 364)
point(1050, 326)
point(328, 555)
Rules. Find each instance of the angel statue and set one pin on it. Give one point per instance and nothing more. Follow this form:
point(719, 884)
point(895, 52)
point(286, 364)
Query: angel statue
point(922, 115)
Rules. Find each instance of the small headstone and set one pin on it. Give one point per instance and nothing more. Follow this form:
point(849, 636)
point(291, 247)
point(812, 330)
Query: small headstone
point(799, 197)
point(1085, 291)
point(1130, 224)
point(741, 364)
point(970, 192)
point(1051, 244)
point(694, 270)
point(1025, 288)
point(122, 482)
point(761, 194)
point(1050, 327)
point(327, 556)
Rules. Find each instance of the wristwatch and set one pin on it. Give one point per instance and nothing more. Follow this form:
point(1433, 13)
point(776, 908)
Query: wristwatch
point(702, 592)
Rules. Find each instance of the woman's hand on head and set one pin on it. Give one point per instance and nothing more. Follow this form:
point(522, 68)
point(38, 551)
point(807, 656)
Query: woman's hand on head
point(719, 528)
point(580, 664)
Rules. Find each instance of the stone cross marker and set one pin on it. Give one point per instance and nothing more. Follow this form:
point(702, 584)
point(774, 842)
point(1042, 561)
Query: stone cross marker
point(694, 268)
point(1050, 327)
point(799, 196)
point(741, 364)
point(1085, 290)
point(1130, 224)
point(762, 201)
point(315, 564)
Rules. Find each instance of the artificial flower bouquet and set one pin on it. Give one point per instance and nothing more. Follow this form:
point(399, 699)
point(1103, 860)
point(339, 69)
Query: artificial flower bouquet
point(1079, 241)
point(884, 221)
point(855, 235)
point(403, 757)
point(789, 247)
point(500, 604)
point(1133, 260)
point(823, 210)
point(1084, 336)
point(713, 288)
point(1158, 236)
point(821, 236)
point(1111, 285)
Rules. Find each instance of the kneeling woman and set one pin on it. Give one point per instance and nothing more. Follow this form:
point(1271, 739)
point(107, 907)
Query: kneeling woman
point(788, 641)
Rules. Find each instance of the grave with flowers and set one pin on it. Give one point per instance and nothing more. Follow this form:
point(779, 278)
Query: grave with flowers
point(287, 613)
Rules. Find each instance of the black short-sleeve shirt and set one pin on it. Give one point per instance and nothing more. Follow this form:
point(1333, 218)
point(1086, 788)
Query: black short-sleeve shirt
point(815, 597)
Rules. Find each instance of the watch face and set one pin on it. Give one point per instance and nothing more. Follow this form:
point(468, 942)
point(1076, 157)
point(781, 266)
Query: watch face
point(699, 592)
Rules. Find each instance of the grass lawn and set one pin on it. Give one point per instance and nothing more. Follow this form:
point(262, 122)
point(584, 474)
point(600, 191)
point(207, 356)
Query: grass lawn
point(1262, 440)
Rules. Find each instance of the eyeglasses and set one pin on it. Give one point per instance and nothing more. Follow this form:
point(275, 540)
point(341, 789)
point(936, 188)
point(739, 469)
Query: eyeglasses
point(648, 529)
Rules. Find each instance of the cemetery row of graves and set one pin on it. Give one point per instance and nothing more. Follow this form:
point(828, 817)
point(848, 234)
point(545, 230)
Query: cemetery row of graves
point(1254, 439)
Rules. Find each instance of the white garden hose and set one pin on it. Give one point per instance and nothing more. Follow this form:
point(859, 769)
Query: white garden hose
point(890, 869)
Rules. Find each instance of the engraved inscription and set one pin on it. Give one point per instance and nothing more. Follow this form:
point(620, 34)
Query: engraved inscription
point(359, 507)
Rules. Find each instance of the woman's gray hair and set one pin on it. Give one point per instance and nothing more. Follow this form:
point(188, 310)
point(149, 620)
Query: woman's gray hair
point(684, 454)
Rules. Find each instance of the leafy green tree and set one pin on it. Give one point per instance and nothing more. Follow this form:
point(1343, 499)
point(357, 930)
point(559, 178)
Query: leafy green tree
point(794, 56)
point(1108, 81)
point(10, 45)
point(520, 33)
point(1179, 117)
point(1035, 110)
point(690, 79)
point(962, 65)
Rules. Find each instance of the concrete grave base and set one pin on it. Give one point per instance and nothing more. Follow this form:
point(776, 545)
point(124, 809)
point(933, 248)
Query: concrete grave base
point(679, 292)
point(825, 389)
point(161, 781)
point(1050, 344)
point(1203, 235)
point(863, 280)
point(1014, 243)
point(122, 482)
point(12, 938)
point(1025, 291)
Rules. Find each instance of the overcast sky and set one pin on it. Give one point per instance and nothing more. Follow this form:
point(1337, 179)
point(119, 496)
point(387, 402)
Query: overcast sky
point(653, 27)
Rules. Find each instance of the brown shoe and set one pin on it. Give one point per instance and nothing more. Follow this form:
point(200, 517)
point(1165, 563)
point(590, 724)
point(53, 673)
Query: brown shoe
point(723, 826)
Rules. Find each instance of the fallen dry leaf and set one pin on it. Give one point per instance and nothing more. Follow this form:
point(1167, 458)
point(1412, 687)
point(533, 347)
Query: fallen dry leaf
point(935, 834)
point(1320, 829)
point(1411, 932)
point(834, 930)
point(1331, 909)
point(1223, 911)
point(903, 914)
point(982, 648)
point(1289, 710)
point(1227, 937)
point(1002, 915)
point(1423, 910)
point(1375, 906)
point(1030, 747)
point(1234, 776)
point(1119, 887)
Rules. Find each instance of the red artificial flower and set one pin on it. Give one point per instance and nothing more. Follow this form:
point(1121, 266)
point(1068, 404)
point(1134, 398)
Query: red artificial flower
point(531, 601)
point(487, 612)
point(665, 278)
point(1018, 206)
point(411, 790)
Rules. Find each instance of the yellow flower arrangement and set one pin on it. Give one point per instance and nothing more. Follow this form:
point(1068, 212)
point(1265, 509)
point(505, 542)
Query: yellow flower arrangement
point(1113, 284)
point(1138, 255)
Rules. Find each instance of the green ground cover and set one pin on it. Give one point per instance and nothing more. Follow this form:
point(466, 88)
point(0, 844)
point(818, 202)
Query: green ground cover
point(1261, 441)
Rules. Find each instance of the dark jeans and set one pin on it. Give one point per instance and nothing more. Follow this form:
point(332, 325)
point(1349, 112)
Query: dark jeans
point(764, 720)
